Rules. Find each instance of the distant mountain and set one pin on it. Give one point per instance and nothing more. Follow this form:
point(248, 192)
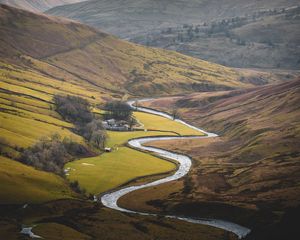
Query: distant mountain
point(37, 5)
point(251, 40)
point(126, 18)
point(265, 39)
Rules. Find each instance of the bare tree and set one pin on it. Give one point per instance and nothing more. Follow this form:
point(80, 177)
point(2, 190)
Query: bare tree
point(175, 113)
point(98, 139)
point(136, 104)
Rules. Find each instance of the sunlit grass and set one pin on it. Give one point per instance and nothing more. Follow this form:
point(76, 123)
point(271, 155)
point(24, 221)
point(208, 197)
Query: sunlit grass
point(109, 170)
point(155, 122)
point(22, 184)
point(30, 130)
point(120, 138)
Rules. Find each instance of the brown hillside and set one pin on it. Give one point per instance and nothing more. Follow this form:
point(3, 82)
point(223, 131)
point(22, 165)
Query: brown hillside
point(60, 47)
point(37, 5)
point(254, 165)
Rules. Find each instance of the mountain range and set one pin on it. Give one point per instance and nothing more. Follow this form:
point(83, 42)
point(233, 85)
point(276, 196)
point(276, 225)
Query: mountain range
point(238, 34)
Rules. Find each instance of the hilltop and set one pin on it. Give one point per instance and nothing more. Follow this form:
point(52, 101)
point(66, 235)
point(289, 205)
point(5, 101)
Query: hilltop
point(37, 5)
point(59, 47)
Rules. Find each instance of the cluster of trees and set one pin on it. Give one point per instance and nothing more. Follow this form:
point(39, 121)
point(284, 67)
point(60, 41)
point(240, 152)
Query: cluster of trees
point(78, 111)
point(94, 133)
point(73, 109)
point(118, 110)
point(189, 32)
point(51, 154)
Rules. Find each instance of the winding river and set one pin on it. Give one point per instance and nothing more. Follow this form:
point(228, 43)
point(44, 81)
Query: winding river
point(110, 200)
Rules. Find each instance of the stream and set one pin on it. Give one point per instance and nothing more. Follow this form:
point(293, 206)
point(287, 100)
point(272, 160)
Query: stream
point(110, 199)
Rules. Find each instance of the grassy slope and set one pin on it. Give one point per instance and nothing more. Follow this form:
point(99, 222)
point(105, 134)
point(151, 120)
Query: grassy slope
point(110, 64)
point(154, 122)
point(36, 186)
point(27, 109)
point(254, 164)
point(27, 114)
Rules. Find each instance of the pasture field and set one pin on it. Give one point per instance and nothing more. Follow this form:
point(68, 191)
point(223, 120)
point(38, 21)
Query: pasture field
point(158, 123)
point(27, 112)
point(22, 184)
point(29, 129)
point(27, 115)
point(110, 170)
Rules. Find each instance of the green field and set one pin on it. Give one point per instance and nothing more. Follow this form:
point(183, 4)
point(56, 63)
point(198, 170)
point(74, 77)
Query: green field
point(155, 122)
point(109, 170)
point(27, 112)
point(22, 184)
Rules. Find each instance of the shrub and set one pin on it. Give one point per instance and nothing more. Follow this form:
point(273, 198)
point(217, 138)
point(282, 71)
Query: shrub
point(73, 109)
point(52, 154)
point(78, 111)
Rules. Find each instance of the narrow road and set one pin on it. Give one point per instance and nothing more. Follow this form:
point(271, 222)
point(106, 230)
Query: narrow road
point(110, 200)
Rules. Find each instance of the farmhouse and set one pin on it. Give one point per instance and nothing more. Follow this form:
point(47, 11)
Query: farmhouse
point(114, 125)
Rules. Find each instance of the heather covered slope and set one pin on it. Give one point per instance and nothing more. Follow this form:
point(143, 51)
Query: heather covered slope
point(59, 48)
point(264, 39)
point(37, 5)
point(253, 166)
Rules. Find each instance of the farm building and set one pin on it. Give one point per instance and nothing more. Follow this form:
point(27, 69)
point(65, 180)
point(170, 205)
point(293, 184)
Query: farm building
point(114, 125)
